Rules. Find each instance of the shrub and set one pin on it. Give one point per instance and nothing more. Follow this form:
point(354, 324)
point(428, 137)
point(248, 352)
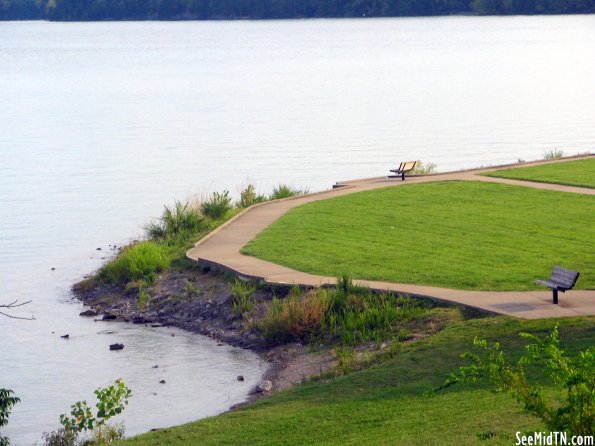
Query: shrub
point(136, 262)
point(286, 191)
point(553, 154)
point(61, 437)
point(574, 410)
point(249, 198)
point(174, 221)
point(424, 169)
point(242, 297)
point(217, 206)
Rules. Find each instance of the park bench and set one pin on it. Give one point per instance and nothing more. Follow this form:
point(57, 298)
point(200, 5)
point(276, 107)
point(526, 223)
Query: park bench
point(561, 279)
point(403, 168)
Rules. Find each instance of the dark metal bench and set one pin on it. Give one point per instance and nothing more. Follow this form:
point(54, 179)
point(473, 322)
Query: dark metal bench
point(562, 279)
point(403, 168)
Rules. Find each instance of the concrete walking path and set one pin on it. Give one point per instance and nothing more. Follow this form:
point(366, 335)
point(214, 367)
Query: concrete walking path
point(221, 249)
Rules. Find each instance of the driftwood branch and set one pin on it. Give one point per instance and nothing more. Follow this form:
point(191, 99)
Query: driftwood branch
point(12, 305)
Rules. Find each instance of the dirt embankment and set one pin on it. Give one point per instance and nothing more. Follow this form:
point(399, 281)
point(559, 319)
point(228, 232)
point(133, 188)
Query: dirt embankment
point(201, 301)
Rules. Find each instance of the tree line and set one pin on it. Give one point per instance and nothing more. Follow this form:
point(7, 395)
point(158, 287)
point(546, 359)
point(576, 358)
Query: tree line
point(81, 10)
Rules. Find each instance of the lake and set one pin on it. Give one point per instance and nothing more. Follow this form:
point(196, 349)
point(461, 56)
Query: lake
point(101, 124)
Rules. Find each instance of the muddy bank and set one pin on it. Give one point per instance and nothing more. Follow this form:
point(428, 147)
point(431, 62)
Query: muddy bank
point(200, 300)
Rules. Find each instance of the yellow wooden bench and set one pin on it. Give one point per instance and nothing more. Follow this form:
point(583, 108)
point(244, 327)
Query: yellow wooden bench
point(404, 167)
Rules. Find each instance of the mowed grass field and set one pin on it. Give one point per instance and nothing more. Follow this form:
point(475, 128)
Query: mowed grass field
point(391, 403)
point(572, 173)
point(455, 234)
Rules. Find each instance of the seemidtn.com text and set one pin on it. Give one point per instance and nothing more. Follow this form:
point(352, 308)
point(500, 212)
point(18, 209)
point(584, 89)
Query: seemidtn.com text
point(553, 439)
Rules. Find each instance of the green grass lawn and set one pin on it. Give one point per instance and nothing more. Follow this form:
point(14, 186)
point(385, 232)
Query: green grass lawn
point(572, 173)
point(388, 403)
point(456, 234)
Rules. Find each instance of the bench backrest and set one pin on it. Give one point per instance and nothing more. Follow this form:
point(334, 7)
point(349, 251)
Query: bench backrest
point(566, 277)
point(407, 165)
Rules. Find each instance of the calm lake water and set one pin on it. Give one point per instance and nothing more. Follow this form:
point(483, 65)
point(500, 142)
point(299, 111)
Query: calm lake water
point(103, 123)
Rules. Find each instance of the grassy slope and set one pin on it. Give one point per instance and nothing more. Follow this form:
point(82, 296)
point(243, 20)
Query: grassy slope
point(572, 173)
point(464, 235)
point(386, 404)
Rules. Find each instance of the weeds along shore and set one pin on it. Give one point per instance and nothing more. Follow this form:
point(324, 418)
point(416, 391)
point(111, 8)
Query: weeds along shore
point(339, 329)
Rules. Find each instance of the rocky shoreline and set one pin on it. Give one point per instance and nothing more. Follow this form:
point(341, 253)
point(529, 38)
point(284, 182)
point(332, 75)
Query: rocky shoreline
point(199, 300)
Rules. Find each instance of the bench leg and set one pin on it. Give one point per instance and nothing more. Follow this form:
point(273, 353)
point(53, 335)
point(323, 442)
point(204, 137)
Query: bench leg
point(403, 176)
point(555, 290)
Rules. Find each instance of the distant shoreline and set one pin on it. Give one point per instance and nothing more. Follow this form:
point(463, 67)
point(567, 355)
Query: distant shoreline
point(285, 19)
point(183, 10)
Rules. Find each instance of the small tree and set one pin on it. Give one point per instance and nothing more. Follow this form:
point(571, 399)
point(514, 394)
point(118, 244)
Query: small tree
point(111, 401)
point(6, 403)
point(574, 410)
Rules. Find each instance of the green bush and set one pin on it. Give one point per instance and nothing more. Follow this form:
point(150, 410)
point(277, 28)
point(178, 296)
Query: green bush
point(181, 218)
point(136, 262)
point(573, 411)
point(217, 206)
point(286, 191)
point(248, 197)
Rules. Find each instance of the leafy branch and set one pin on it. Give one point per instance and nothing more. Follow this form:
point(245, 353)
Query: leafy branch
point(574, 410)
point(6, 403)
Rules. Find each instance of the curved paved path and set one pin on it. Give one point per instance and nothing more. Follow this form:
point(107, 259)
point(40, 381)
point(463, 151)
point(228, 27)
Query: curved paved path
point(221, 249)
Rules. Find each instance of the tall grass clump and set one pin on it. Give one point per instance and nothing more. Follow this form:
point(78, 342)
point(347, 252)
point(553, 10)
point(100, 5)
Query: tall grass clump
point(249, 197)
point(296, 317)
point(553, 154)
point(179, 219)
point(242, 295)
point(217, 206)
point(136, 262)
point(286, 191)
point(346, 314)
point(422, 168)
